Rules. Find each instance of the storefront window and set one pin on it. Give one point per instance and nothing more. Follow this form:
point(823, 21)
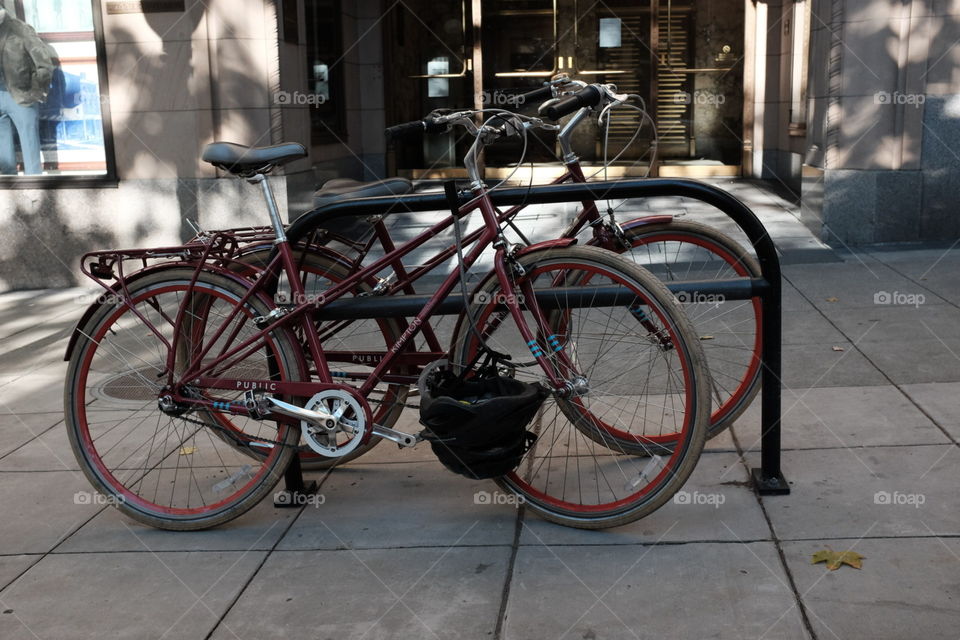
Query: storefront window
point(51, 106)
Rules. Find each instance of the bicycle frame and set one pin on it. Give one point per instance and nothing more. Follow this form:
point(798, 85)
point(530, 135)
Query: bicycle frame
point(589, 215)
point(198, 372)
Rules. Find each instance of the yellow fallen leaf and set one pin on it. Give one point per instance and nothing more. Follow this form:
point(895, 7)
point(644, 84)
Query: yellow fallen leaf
point(833, 299)
point(835, 559)
point(188, 451)
point(706, 337)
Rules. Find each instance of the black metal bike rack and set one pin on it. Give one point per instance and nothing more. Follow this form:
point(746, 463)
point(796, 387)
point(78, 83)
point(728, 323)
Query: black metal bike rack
point(768, 478)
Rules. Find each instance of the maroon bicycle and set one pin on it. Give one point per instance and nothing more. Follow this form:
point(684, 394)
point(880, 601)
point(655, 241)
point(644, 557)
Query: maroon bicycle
point(189, 387)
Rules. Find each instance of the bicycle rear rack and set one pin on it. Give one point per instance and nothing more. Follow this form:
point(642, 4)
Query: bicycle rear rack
point(768, 478)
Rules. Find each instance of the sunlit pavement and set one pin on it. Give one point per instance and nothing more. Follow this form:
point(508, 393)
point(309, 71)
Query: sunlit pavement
point(400, 548)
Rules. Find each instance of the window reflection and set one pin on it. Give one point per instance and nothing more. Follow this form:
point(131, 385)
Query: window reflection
point(51, 118)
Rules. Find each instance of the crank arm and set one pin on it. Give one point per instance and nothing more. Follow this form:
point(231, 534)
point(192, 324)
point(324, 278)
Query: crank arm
point(404, 440)
point(318, 418)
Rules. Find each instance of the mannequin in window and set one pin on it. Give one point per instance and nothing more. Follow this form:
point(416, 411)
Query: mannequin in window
point(26, 69)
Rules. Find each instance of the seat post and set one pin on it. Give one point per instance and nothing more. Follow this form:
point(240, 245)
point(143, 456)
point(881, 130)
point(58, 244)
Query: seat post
point(275, 221)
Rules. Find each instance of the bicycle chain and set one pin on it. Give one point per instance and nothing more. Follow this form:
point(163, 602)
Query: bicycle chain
point(233, 436)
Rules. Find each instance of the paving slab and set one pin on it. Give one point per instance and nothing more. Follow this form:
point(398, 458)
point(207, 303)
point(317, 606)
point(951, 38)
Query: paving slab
point(683, 591)
point(395, 593)
point(943, 282)
point(17, 431)
point(941, 400)
point(822, 365)
point(843, 417)
point(715, 504)
point(897, 323)
point(851, 284)
point(49, 451)
point(873, 492)
point(907, 588)
point(111, 530)
point(41, 509)
point(793, 302)
point(33, 393)
point(13, 566)
point(42, 347)
point(40, 313)
point(401, 505)
point(809, 328)
point(914, 362)
point(124, 595)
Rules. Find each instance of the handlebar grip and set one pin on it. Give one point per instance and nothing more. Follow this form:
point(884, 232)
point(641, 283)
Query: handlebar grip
point(537, 95)
point(414, 129)
point(406, 130)
point(586, 97)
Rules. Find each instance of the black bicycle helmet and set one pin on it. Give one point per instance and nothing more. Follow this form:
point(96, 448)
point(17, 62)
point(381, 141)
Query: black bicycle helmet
point(477, 426)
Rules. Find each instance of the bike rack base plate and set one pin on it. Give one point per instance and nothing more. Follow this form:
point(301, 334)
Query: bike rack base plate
point(770, 486)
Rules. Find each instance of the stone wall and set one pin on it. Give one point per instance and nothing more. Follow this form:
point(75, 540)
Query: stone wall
point(885, 122)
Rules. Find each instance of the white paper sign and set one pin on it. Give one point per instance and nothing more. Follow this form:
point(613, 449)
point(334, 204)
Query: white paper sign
point(610, 32)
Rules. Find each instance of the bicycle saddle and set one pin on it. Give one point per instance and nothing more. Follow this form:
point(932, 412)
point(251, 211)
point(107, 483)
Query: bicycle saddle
point(347, 189)
point(240, 159)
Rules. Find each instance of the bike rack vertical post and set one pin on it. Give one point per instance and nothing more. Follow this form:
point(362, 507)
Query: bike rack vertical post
point(768, 479)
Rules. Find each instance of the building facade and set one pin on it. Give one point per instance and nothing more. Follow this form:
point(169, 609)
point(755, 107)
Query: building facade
point(853, 105)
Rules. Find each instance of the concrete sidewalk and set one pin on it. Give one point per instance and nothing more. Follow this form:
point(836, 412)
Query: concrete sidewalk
point(402, 549)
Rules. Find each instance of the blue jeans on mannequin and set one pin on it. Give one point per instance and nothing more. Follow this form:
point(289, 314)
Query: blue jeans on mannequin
point(27, 122)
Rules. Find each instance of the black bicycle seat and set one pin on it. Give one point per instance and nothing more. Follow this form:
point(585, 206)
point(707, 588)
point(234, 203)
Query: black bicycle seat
point(240, 159)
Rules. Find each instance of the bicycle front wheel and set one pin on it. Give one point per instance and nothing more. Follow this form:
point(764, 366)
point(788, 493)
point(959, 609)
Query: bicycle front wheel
point(640, 385)
point(163, 465)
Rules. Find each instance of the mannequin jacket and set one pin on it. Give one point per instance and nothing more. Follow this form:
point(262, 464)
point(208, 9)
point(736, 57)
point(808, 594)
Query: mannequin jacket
point(27, 62)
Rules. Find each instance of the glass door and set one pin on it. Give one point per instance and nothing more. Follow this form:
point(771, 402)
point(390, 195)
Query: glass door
point(614, 43)
point(520, 52)
point(682, 58)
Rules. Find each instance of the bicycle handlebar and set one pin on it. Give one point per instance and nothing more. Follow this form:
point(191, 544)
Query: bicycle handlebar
point(589, 96)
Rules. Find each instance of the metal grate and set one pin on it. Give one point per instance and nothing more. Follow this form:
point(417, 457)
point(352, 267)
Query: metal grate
point(673, 108)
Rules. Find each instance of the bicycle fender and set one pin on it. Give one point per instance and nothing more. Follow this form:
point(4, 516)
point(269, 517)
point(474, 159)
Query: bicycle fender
point(548, 244)
point(647, 221)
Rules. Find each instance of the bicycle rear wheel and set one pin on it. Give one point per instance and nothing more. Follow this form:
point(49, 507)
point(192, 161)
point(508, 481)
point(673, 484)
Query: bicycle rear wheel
point(730, 330)
point(164, 466)
point(644, 385)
